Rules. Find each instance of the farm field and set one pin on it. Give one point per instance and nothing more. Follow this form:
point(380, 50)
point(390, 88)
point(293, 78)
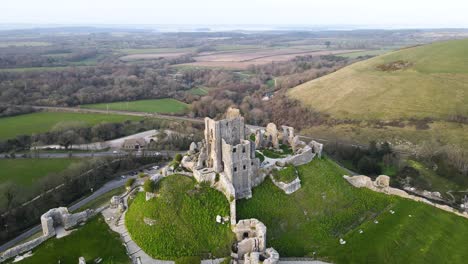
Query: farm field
point(184, 219)
point(163, 106)
point(26, 172)
point(242, 59)
point(427, 81)
point(44, 121)
point(154, 50)
point(327, 208)
point(150, 56)
point(93, 240)
point(5, 44)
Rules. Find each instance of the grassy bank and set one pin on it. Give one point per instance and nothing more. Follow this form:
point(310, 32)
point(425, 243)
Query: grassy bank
point(327, 208)
point(93, 240)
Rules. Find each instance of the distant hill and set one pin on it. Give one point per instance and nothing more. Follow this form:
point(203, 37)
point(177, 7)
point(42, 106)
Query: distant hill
point(417, 82)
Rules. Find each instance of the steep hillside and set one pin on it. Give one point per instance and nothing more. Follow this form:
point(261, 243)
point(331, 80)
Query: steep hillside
point(418, 82)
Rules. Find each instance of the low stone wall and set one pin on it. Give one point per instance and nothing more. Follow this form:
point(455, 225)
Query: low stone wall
point(23, 248)
point(288, 188)
point(381, 185)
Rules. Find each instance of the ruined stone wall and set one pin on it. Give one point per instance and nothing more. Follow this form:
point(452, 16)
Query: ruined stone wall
point(304, 156)
point(316, 148)
point(250, 236)
point(288, 188)
point(25, 247)
point(50, 219)
point(232, 131)
point(240, 166)
point(381, 184)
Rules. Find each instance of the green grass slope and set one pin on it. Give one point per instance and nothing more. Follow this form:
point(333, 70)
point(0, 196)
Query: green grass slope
point(163, 106)
point(327, 208)
point(185, 221)
point(435, 84)
point(28, 171)
point(44, 121)
point(93, 240)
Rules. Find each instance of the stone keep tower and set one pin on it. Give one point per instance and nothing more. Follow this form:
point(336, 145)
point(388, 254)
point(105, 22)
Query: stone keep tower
point(229, 152)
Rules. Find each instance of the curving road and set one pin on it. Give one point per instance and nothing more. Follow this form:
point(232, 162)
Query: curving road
point(109, 186)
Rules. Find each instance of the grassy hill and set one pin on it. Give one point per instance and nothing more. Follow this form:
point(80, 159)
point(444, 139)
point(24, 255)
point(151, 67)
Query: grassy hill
point(327, 208)
point(418, 82)
point(184, 217)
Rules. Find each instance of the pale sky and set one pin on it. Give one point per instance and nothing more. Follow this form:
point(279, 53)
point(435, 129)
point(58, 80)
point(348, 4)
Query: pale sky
point(387, 13)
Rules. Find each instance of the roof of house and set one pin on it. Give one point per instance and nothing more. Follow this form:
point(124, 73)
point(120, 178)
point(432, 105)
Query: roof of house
point(134, 141)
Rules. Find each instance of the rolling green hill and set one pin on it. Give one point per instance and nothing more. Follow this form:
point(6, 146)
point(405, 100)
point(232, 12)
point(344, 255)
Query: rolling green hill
point(418, 82)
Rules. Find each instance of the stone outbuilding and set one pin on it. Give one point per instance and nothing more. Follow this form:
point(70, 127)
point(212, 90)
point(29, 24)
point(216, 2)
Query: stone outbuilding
point(134, 144)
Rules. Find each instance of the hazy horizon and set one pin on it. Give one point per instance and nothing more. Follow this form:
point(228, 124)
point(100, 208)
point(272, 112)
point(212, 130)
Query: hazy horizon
point(398, 14)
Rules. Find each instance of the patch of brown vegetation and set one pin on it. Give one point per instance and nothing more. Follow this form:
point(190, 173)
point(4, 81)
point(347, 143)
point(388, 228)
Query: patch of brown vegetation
point(395, 66)
point(243, 59)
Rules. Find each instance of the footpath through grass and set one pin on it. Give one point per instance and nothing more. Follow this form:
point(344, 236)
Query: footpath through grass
point(93, 240)
point(42, 122)
point(184, 221)
point(327, 208)
point(163, 106)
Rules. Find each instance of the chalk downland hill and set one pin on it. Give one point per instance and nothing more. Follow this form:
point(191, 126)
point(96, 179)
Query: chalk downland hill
point(417, 82)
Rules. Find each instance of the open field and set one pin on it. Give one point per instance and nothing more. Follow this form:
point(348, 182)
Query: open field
point(5, 44)
point(419, 82)
point(184, 221)
point(44, 121)
point(327, 208)
point(93, 240)
point(28, 171)
point(150, 56)
point(162, 106)
point(242, 59)
point(155, 50)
